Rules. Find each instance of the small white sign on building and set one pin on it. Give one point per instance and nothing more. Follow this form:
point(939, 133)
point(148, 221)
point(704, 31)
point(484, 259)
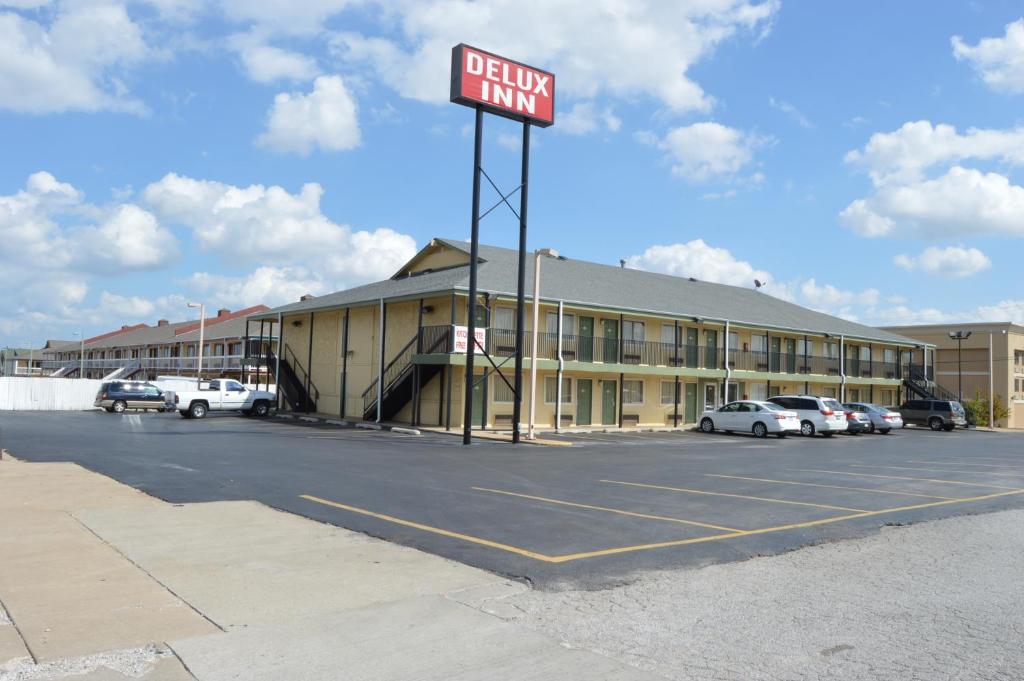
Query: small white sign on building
point(462, 339)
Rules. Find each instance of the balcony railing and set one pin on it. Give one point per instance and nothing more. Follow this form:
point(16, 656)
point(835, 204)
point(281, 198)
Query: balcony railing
point(599, 350)
point(210, 363)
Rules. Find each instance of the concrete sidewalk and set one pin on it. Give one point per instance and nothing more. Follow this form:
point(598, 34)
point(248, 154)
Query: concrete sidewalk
point(100, 582)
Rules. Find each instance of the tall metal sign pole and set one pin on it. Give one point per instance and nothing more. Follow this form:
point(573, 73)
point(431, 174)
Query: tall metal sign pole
point(493, 84)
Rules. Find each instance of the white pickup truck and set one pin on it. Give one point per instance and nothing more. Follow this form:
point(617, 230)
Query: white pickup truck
point(223, 394)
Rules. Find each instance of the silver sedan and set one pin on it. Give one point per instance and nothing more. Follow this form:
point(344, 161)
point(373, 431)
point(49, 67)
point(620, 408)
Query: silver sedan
point(882, 420)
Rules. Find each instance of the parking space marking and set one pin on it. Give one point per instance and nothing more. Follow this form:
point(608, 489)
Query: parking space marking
point(778, 528)
point(619, 511)
point(429, 528)
point(939, 470)
point(818, 484)
point(903, 477)
point(970, 463)
point(733, 496)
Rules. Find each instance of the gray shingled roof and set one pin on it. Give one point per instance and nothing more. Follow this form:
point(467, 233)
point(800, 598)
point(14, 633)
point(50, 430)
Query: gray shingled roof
point(593, 284)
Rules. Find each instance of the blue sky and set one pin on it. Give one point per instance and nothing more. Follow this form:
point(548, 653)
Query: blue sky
point(864, 158)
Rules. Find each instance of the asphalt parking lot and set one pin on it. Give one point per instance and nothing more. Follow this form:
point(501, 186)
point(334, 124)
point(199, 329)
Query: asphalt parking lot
point(589, 515)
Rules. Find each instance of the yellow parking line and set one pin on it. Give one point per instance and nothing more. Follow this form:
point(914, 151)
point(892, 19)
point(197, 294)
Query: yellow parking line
point(939, 470)
point(767, 530)
point(817, 484)
point(903, 477)
point(734, 496)
point(434, 530)
point(618, 511)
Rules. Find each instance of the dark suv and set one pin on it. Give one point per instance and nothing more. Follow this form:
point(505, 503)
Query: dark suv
point(936, 414)
point(116, 396)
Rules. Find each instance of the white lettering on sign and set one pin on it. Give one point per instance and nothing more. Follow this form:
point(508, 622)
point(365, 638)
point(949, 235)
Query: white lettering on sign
point(505, 87)
point(462, 340)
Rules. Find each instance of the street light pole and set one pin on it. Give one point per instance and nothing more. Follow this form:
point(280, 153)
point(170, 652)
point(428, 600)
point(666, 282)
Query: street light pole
point(202, 324)
point(548, 253)
point(960, 337)
point(81, 356)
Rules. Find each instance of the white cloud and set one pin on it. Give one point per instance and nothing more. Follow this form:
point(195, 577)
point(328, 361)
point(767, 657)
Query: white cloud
point(284, 16)
point(791, 111)
point(910, 199)
point(129, 238)
point(903, 155)
point(600, 47)
point(585, 118)
point(963, 201)
point(999, 61)
point(828, 297)
point(708, 150)
point(76, 63)
point(699, 260)
point(955, 262)
point(267, 285)
point(325, 118)
point(274, 227)
point(510, 141)
point(265, 63)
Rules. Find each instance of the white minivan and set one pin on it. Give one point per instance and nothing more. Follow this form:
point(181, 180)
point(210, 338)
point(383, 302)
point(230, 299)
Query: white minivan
point(817, 414)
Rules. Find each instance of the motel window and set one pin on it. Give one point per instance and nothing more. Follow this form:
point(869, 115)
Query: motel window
point(759, 343)
point(759, 391)
point(671, 392)
point(632, 331)
point(550, 386)
point(505, 318)
point(805, 348)
point(865, 353)
point(502, 393)
point(830, 392)
point(853, 394)
point(568, 324)
point(887, 398)
point(668, 334)
point(889, 355)
point(632, 392)
point(832, 351)
point(734, 340)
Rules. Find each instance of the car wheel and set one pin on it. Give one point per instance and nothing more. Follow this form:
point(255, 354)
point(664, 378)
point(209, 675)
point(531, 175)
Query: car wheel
point(707, 425)
point(760, 430)
point(260, 409)
point(935, 423)
point(807, 429)
point(884, 432)
point(197, 410)
point(118, 406)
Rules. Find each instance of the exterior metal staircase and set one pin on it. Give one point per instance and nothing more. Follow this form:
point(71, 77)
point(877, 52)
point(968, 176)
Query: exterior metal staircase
point(294, 382)
point(918, 383)
point(399, 379)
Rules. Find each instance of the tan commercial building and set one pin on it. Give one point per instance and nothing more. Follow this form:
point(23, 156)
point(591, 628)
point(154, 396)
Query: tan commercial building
point(616, 347)
point(970, 366)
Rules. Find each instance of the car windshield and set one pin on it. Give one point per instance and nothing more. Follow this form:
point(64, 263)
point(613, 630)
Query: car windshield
point(834, 405)
point(771, 406)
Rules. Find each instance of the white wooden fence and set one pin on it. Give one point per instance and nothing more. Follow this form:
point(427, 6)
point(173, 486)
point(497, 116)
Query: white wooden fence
point(47, 394)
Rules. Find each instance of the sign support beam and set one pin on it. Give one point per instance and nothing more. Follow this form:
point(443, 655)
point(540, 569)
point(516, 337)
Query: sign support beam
point(517, 409)
point(474, 251)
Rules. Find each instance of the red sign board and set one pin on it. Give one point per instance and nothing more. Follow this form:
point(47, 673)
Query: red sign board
point(502, 86)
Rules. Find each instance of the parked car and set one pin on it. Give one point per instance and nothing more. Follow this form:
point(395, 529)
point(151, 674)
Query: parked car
point(223, 394)
point(883, 420)
point(936, 414)
point(856, 422)
point(746, 416)
point(817, 414)
point(118, 396)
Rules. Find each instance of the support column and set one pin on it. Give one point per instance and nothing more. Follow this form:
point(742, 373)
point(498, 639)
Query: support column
point(380, 360)
point(344, 366)
point(309, 362)
point(517, 408)
point(474, 252)
point(559, 373)
point(675, 394)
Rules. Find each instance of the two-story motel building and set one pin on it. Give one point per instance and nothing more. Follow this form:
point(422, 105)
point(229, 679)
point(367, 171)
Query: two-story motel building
point(627, 347)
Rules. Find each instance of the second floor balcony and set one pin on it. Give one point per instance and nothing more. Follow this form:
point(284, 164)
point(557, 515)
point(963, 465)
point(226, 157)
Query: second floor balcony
point(600, 350)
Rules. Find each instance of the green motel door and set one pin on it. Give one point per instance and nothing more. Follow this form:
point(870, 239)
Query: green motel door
point(479, 393)
point(691, 403)
point(610, 355)
point(584, 399)
point(608, 389)
point(585, 341)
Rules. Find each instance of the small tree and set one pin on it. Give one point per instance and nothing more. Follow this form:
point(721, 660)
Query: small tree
point(977, 409)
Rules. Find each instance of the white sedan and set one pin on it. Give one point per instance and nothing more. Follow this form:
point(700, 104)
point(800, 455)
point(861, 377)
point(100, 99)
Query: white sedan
point(748, 416)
